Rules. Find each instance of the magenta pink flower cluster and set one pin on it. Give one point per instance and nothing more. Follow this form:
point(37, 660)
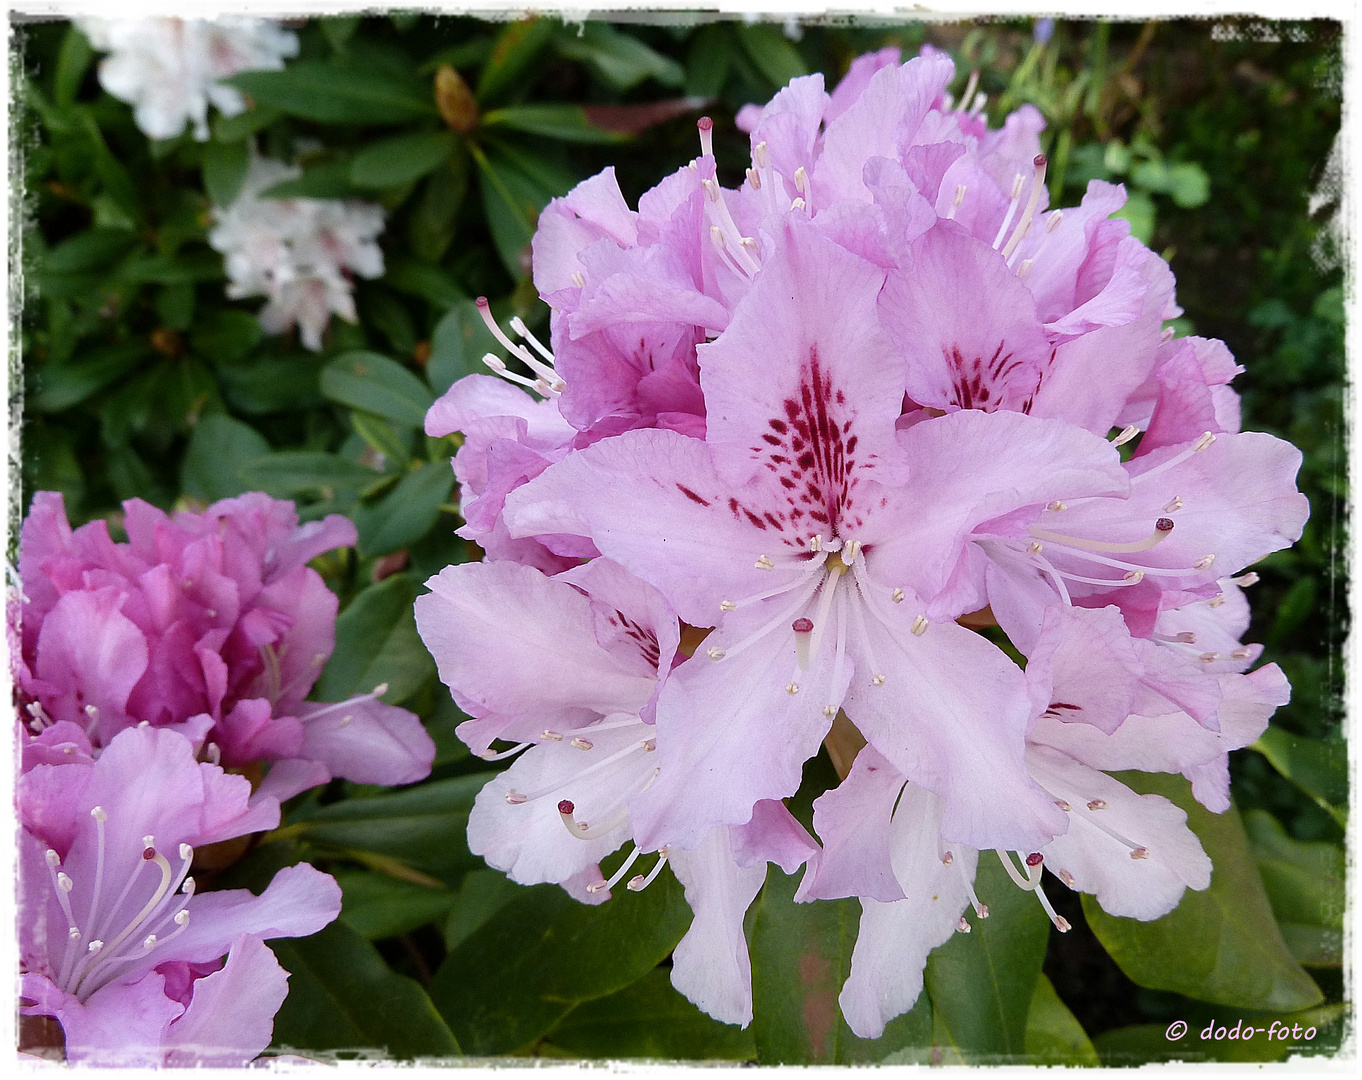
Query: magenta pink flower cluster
point(788, 446)
point(144, 670)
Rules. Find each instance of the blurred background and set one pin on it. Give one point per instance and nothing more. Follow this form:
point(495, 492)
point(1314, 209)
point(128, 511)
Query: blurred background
point(141, 379)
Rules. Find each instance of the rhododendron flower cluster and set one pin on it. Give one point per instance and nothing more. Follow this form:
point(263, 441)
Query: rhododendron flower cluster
point(301, 253)
point(788, 449)
point(211, 624)
point(169, 68)
point(144, 671)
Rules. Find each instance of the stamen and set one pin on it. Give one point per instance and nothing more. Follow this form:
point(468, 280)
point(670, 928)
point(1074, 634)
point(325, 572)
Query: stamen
point(706, 127)
point(764, 563)
point(956, 202)
point(1217, 600)
point(727, 605)
point(962, 927)
point(550, 377)
point(1241, 653)
point(816, 543)
point(897, 596)
point(499, 366)
point(877, 680)
point(581, 744)
point(830, 711)
point(1063, 805)
point(716, 236)
point(761, 155)
point(639, 883)
point(1204, 563)
point(754, 178)
point(1209, 657)
point(1127, 433)
point(1053, 222)
point(1162, 528)
point(1186, 637)
point(980, 910)
point(1061, 923)
point(614, 879)
point(1173, 505)
point(566, 809)
point(801, 181)
point(1204, 443)
point(715, 653)
point(1027, 882)
point(1245, 580)
point(803, 631)
point(1034, 548)
point(947, 859)
point(970, 86)
point(1067, 878)
point(824, 610)
point(1167, 334)
point(798, 204)
point(551, 736)
point(792, 688)
point(1097, 804)
point(579, 279)
point(1025, 268)
point(850, 552)
point(980, 100)
point(920, 625)
point(1017, 182)
point(1037, 186)
point(516, 798)
point(518, 325)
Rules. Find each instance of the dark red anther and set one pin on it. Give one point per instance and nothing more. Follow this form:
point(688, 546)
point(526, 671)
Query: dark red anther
point(1035, 859)
point(802, 626)
point(566, 807)
point(1039, 161)
point(1164, 524)
point(149, 853)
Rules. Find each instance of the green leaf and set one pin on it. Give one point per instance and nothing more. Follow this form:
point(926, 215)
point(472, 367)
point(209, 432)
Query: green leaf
point(1320, 769)
point(801, 956)
point(424, 826)
point(377, 642)
point(329, 180)
point(225, 336)
point(217, 453)
point(512, 197)
point(430, 227)
point(369, 381)
point(708, 61)
point(59, 386)
point(273, 385)
point(566, 122)
point(619, 58)
point(1220, 945)
point(175, 305)
point(481, 895)
point(1304, 883)
point(244, 125)
point(224, 170)
point(342, 996)
point(1139, 211)
point(338, 30)
point(982, 983)
point(516, 48)
point(431, 283)
point(772, 52)
point(1189, 185)
point(73, 61)
point(337, 95)
point(289, 472)
point(1053, 1034)
point(457, 345)
point(380, 906)
point(406, 513)
point(89, 252)
point(649, 1019)
point(379, 434)
point(511, 981)
point(401, 159)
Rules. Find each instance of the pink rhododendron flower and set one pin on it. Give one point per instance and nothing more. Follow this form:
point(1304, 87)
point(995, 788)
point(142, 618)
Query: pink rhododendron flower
point(113, 938)
point(211, 623)
point(594, 644)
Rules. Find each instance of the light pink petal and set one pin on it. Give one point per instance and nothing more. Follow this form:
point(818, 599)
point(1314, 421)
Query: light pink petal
point(711, 965)
point(857, 78)
point(1085, 237)
point(651, 501)
point(894, 939)
point(965, 324)
point(853, 823)
point(367, 742)
point(773, 835)
point(1170, 856)
point(298, 902)
point(789, 124)
point(123, 1024)
point(950, 714)
point(91, 655)
point(230, 1018)
point(288, 778)
point(556, 667)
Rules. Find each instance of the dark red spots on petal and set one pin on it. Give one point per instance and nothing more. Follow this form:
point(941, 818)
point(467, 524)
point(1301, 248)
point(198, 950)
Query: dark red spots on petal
point(780, 426)
point(691, 495)
point(806, 460)
point(774, 440)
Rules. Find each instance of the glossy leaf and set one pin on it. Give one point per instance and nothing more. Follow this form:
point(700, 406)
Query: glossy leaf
point(458, 344)
point(566, 122)
point(649, 1019)
point(507, 984)
point(225, 336)
point(1053, 1034)
point(423, 826)
point(381, 437)
point(432, 283)
point(481, 895)
point(982, 983)
point(512, 195)
point(289, 472)
point(406, 513)
point(709, 60)
point(343, 996)
point(328, 180)
point(430, 228)
point(801, 956)
point(336, 95)
point(377, 642)
point(218, 450)
point(381, 906)
point(59, 386)
point(772, 52)
point(402, 159)
point(73, 61)
point(1304, 883)
point(224, 170)
point(619, 58)
point(1320, 769)
point(1221, 945)
point(369, 381)
point(514, 51)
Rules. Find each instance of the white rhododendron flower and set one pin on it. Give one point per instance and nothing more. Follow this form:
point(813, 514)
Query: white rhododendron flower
point(300, 253)
point(168, 68)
